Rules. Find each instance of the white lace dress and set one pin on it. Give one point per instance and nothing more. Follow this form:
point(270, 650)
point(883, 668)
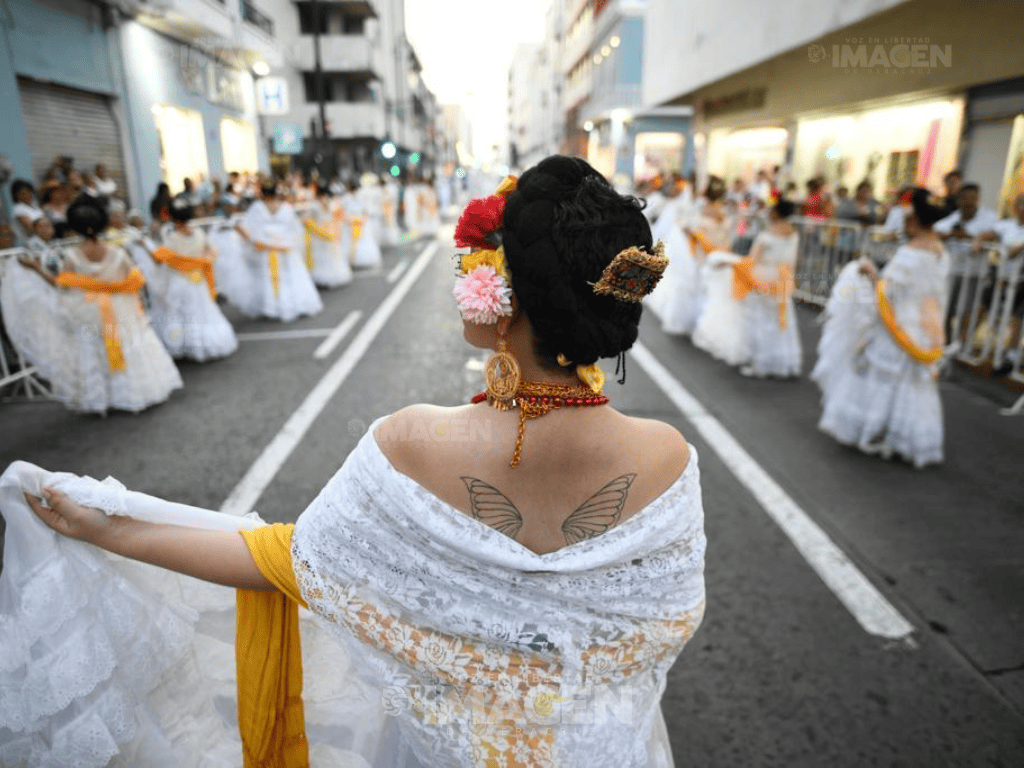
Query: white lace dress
point(184, 315)
point(293, 294)
point(437, 640)
point(874, 395)
point(330, 263)
point(80, 373)
point(770, 349)
point(363, 251)
point(237, 279)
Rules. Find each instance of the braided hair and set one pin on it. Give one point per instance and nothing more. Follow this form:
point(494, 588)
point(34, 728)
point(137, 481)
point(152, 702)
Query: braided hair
point(563, 225)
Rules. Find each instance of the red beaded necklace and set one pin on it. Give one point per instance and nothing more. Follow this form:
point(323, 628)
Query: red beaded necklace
point(537, 398)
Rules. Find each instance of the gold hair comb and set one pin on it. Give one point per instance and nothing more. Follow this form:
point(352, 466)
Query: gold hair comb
point(633, 273)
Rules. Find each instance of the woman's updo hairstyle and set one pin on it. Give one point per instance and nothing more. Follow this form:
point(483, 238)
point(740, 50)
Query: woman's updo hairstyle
point(181, 210)
point(563, 225)
point(784, 208)
point(87, 217)
point(927, 208)
point(715, 189)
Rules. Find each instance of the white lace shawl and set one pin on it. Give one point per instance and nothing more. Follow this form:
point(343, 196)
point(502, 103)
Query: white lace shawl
point(487, 651)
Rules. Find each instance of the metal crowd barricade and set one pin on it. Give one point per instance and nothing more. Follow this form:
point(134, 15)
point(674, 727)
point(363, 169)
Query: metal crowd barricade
point(746, 226)
point(17, 375)
point(880, 244)
point(824, 248)
point(973, 298)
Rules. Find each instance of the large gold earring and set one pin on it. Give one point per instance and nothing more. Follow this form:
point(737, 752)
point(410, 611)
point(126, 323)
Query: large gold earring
point(501, 375)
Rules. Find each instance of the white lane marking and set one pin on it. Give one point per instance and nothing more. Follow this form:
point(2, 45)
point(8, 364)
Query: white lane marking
point(249, 489)
point(869, 607)
point(301, 333)
point(339, 333)
point(397, 271)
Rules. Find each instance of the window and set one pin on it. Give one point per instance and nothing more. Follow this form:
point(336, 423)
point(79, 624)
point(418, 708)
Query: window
point(238, 143)
point(182, 145)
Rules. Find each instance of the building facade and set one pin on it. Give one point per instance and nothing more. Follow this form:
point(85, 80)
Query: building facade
point(893, 92)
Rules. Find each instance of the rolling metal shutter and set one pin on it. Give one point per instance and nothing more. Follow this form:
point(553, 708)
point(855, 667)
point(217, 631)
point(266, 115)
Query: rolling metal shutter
point(66, 121)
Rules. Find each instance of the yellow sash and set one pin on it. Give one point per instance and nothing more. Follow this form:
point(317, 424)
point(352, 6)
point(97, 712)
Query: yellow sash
point(324, 233)
point(357, 232)
point(268, 656)
point(900, 336)
point(273, 273)
point(100, 291)
point(196, 267)
point(743, 282)
point(702, 240)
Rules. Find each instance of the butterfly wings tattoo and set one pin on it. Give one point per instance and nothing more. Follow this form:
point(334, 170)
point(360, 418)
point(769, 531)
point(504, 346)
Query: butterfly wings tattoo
point(595, 516)
point(598, 513)
point(492, 507)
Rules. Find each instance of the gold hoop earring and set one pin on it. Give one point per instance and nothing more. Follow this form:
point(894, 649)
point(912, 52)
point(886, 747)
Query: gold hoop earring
point(501, 375)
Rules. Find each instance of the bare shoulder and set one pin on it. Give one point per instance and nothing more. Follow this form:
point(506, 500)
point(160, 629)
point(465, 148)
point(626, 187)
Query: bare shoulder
point(664, 446)
point(415, 434)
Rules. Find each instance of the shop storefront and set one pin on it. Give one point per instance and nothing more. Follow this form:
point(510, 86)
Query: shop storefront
point(63, 90)
point(741, 153)
point(193, 115)
point(889, 146)
point(995, 143)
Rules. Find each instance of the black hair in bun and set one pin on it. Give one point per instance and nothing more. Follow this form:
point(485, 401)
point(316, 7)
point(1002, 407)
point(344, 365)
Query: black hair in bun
point(181, 210)
point(783, 208)
point(563, 225)
point(268, 189)
point(715, 189)
point(927, 208)
point(87, 217)
point(322, 190)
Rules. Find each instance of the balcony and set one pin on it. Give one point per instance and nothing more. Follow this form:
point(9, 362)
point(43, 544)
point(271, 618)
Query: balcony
point(348, 120)
point(254, 16)
point(193, 21)
point(338, 53)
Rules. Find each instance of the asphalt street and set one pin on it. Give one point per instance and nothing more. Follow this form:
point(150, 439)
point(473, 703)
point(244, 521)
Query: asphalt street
point(781, 673)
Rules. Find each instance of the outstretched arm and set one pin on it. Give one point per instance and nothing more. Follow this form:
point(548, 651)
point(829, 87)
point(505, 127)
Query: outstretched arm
point(220, 557)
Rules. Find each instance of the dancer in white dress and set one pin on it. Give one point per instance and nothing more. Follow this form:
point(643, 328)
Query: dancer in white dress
point(237, 279)
point(110, 356)
point(392, 235)
point(884, 397)
point(327, 262)
point(364, 251)
point(185, 313)
point(719, 326)
point(284, 287)
point(459, 631)
point(771, 337)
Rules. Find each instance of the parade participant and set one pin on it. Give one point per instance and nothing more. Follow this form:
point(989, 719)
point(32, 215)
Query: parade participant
point(882, 396)
point(718, 328)
point(678, 298)
point(110, 357)
point(431, 209)
point(469, 595)
point(763, 283)
point(363, 250)
point(391, 234)
point(283, 287)
point(371, 198)
point(185, 313)
point(327, 263)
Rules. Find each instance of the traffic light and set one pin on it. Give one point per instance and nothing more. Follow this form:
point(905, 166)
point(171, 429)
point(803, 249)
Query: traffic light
point(388, 150)
point(414, 158)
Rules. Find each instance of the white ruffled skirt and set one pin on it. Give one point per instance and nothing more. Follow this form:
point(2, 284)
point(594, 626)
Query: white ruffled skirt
point(236, 277)
point(188, 321)
point(330, 264)
point(33, 316)
point(683, 296)
point(720, 328)
point(294, 295)
point(111, 662)
point(366, 252)
point(771, 350)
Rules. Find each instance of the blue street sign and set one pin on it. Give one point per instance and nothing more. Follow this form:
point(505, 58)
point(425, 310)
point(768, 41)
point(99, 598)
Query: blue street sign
point(288, 139)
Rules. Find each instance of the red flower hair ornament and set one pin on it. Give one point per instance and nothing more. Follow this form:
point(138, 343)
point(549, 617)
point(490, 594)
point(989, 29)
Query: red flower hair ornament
point(482, 216)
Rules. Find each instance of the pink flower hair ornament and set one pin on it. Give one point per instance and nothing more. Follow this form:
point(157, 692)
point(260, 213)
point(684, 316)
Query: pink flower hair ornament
point(483, 295)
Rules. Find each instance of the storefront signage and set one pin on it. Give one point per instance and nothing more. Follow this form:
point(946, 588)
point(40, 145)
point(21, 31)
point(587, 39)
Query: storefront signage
point(288, 139)
point(272, 96)
point(224, 86)
point(749, 98)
